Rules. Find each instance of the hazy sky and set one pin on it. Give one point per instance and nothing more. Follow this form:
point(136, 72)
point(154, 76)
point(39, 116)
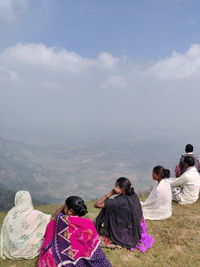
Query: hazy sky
point(100, 64)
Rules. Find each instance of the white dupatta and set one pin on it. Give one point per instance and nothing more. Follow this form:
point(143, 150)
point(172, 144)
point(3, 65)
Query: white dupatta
point(22, 229)
point(158, 205)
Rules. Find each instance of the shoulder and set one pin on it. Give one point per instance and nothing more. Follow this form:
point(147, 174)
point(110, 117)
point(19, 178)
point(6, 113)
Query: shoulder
point(135, 197)
point(80, 221)
point(112, 201)
point(187, 173)
point(83, 219)
point(164, 185)
point(193, 170)
point(195, 157)
point(39, 213)
point(192, 173)
point(163, 182)
point(61, 216)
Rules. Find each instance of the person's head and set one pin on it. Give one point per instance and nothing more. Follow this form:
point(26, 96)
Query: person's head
point(124, 185)
point(159, 173)
point(189, 148)
point(188, 162)
point(75, 205)
point(23, 200)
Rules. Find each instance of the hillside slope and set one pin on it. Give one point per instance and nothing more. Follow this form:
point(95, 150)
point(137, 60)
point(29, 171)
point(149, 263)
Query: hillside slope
point(19, 171)
point(177, 241)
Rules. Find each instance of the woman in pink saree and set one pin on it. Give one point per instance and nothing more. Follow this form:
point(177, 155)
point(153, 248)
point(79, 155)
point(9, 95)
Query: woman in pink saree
point(71, 240)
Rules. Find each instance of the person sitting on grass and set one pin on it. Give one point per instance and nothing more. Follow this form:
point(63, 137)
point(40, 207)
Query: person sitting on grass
point(180, 169)
point(188, 183)
point(121, 222)
point(71, 240)
point(22, 229)
point(158, 205)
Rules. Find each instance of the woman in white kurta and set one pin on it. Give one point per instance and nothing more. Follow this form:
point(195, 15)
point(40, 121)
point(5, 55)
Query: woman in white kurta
point(158, 205)
point(22, 229)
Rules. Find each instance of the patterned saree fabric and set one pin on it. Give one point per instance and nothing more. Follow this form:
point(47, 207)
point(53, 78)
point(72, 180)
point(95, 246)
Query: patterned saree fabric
point(72, 241)
point(22, 229)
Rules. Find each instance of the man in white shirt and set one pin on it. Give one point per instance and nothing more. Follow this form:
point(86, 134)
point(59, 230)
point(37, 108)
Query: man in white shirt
point(189, 183)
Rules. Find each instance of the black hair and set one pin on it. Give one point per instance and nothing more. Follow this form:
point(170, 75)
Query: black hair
point(77, 205)
point(162, 172)
point(189, 160)
point(188, 148)
point(125, 184)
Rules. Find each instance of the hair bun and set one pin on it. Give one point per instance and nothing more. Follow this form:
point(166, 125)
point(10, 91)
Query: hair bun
point(166, 173)
point(129, 191)
point(82, 209)
point(77, 205)
point(82, 212)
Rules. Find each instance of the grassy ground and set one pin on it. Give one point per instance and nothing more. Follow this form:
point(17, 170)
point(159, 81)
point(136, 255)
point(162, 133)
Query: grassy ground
point(177, 241)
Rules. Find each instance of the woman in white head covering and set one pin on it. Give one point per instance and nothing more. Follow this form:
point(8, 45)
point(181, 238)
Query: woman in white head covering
point(22, 229)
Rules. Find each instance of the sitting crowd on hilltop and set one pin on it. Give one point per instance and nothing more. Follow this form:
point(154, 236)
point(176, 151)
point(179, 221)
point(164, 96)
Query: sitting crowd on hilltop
point(69, 239)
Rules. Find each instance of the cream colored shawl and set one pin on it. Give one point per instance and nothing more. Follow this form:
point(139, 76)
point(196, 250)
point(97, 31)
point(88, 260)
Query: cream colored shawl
point(158, 205)
point(22, 229)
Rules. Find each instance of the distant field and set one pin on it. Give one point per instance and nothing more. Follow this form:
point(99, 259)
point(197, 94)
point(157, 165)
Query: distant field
point(177, 241)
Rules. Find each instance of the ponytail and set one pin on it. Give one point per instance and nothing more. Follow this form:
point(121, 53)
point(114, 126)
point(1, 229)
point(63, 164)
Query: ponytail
point(162, 172)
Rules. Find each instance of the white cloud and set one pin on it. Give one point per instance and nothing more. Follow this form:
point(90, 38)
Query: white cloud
point(10, 9)
point(50, 68)
point(177, 66)
point(40, 56)
point(107, 59)
point(114, 82)
point(63, 69)
point(54, 86)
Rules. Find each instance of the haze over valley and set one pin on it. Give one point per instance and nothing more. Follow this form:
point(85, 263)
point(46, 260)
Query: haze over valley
point(52, 168)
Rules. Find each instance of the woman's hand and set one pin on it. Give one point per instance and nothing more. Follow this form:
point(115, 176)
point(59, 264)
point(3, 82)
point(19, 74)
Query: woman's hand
point(116, 190)
point(100, 203)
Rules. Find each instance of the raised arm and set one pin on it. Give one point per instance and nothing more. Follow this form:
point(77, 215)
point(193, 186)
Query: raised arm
point(100, 203)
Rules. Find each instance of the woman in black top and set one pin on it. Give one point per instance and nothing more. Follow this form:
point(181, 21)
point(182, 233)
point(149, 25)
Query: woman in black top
point(119, 220)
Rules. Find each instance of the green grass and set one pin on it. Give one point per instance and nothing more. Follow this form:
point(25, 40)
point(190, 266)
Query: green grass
point(177, 241)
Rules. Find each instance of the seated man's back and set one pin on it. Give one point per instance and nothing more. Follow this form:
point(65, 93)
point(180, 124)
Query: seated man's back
point(191, 189)
point(189, 182)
